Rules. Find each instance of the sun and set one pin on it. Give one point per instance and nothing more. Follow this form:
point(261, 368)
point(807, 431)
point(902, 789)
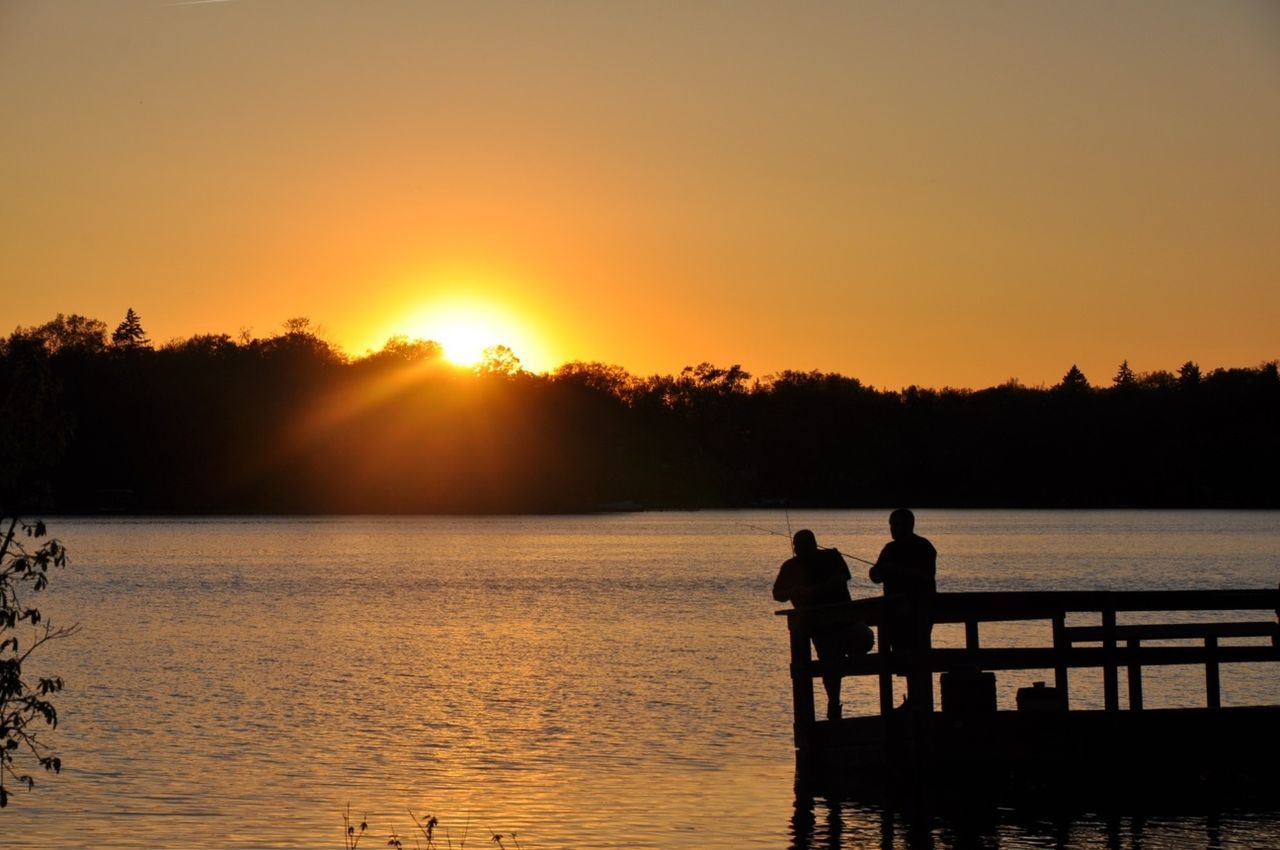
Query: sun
point(467, 327)
point(464, 342)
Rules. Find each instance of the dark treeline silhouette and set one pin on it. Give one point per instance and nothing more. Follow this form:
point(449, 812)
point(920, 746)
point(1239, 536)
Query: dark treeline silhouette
point(288, 423)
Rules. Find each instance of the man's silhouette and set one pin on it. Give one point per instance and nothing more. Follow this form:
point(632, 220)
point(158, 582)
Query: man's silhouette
point(908, 569)
point(817, 577)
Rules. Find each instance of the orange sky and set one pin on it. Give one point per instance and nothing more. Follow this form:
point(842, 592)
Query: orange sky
point(933, 193)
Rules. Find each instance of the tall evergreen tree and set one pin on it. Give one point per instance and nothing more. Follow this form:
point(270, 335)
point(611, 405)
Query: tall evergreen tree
point(1074, 379)
point(129, 333)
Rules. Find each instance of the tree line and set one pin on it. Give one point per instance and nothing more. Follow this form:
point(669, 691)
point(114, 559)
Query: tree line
point(106, 421)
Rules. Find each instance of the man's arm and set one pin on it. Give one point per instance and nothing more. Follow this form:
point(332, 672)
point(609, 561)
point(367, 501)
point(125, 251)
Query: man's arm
point(782, 585)
point(842, 576)
point(877, 571)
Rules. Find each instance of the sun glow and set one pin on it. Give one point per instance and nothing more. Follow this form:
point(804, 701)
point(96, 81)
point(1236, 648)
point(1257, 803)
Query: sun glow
point(464, 345)
point(467, 329)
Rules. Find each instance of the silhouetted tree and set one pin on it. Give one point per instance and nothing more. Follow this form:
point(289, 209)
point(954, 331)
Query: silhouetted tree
point(1074, 379)
point(129, 334)
point(23, 705)
point(1124, 375)
point(297, 325)
point(33, 426)
point(1188, 374)
point(72, 334)
point(204, 346)
point(298, 347)
point(288, 423)
point(32, 439)
point(400, 349)
point(601, 377)
point(499, 360)
point(1159, 379)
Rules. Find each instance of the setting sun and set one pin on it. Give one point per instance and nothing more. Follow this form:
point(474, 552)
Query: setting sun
point(466, 328)
point(464, 344)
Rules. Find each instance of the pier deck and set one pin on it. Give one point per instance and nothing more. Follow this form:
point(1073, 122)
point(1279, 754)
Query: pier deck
point(1112, 749)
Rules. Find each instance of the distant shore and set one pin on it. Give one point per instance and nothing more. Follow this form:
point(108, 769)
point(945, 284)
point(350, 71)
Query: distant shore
point(288, 425)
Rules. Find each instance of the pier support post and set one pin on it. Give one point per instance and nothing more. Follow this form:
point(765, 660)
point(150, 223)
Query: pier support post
point(1212, 682)
point(1135, 675)
point(1060, 647)
point(920, 668)
point(1110, 675)
point(801, 681)
point(971, 639)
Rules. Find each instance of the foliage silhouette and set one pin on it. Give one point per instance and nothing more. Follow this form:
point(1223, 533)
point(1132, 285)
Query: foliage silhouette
point(1074, 379)
point(288, 423)
point(1124, 375)
point(129, 333)
point(33, 433)
point(25, 705)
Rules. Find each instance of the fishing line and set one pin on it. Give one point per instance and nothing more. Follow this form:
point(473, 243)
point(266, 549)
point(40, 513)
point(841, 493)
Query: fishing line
point(788, 536)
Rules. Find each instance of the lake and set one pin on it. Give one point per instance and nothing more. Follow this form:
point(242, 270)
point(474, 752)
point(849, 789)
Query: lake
point(582, 681)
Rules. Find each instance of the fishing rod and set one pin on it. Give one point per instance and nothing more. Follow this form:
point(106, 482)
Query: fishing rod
point(854, 557)
point(788, 536)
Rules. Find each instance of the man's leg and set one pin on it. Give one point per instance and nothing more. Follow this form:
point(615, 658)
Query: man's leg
point(832, 685)
point(828, 650)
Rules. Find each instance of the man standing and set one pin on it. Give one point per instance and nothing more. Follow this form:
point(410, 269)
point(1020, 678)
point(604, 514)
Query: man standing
point(908, 569)
point(817, 577)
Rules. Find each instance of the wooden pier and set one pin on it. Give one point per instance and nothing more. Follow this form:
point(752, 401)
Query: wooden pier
point(1047, 744)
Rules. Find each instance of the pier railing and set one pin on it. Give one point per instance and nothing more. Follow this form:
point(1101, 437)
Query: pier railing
point(1109, 645)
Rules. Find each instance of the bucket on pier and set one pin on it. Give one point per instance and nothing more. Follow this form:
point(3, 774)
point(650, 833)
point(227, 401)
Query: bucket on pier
point(969, 691)
point(1038, 697)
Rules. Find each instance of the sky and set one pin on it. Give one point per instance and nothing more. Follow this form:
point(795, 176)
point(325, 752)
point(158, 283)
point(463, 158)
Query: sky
point(931, 193)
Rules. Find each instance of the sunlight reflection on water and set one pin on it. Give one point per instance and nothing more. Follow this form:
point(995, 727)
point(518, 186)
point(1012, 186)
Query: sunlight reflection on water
point(603, 681)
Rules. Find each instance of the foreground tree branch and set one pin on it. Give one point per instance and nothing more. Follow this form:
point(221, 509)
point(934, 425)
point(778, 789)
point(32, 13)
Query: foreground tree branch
point(26, 709)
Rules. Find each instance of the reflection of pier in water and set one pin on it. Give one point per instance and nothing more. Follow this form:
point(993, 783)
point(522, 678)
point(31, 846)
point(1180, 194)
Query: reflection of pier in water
point(842, 824)
point(1045, 746)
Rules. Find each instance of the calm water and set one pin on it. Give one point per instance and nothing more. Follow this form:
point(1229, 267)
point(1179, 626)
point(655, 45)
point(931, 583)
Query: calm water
point(604, 681)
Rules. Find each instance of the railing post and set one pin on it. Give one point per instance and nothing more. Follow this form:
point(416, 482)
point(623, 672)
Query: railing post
point(1110, 675)
point(886, 672)
point(801, 680)
point(1212, 684)
point(920, 675)
point(1060, 646)
point(1135, 675)
point(971, 634)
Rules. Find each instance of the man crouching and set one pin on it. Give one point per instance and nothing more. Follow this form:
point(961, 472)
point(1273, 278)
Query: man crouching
point(820, 577)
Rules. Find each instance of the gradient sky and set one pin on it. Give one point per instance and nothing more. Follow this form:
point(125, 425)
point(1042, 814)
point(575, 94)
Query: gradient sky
point(934, 193)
